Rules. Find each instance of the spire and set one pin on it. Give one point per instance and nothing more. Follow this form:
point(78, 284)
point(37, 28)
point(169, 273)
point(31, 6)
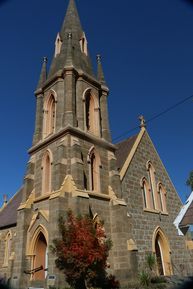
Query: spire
point(72, 22)
point(43, 74)
point(81, 59)
point(100, 73)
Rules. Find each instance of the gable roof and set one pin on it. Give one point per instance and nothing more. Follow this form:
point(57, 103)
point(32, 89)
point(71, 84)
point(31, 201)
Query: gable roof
point(8, 215)
point(126, 151)
point(185, 215)
point(123, 149)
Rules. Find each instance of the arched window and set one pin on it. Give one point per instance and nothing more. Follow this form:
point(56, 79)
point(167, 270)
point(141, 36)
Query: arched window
point(46, 173)
point(91, 113)
point(162, 197)
point(147, 196)
point(7, 252)
point(49, 115)
point(151, 174)
point(94, 170)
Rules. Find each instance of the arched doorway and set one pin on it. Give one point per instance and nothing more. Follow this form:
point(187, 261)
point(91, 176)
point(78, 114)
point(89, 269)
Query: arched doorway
point(40, 257)
point(159, 257)
point(161, 250)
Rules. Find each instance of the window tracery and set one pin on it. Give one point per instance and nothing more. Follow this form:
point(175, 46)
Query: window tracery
point(154, 196)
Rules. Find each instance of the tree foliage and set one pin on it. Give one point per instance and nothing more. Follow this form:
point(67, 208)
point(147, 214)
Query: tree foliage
point(189, 181)
point(82, 252)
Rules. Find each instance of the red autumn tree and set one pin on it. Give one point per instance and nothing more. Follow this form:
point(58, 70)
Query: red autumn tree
point(82, 252)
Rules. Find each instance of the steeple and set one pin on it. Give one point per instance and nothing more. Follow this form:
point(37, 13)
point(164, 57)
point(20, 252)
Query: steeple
point(43, 74)
point(81, 59)
point(100, 73)
point(72, 22)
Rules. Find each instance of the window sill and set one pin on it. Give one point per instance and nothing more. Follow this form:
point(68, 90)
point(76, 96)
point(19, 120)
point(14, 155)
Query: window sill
point(155, 211)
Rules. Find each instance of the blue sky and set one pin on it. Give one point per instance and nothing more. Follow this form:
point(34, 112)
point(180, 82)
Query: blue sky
point(147, 50)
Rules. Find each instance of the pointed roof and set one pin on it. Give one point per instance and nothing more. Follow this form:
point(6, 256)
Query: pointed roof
point(100, 73)
point(43, 74)
point(80, 59)
point(71, 22)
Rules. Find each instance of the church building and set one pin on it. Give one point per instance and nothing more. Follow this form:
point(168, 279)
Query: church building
point(73, 164)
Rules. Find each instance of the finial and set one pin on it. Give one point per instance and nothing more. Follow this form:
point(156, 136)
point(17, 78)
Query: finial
point(142, 121)
point(69, 35)
point(98, 58)
point(45, 59)
point(4, 200)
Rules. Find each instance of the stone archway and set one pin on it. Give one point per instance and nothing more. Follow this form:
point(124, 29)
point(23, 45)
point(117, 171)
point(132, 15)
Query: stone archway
point(162, 252)
point(40, 257)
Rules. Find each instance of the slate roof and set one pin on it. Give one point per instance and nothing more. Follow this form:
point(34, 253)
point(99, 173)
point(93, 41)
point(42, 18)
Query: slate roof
point(188, 217)
point(123, 150)
point(8, 216)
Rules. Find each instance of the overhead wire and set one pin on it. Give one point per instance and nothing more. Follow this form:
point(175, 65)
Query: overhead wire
point(154, 117)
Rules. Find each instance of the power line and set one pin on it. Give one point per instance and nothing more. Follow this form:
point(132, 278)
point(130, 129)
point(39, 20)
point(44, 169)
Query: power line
point(155, 116)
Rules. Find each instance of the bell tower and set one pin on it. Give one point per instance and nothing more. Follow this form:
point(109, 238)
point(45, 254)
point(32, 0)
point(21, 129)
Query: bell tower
point(72, 159)
point(72, 135)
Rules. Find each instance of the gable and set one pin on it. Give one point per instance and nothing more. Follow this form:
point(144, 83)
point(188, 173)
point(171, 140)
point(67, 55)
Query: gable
point(135, 168)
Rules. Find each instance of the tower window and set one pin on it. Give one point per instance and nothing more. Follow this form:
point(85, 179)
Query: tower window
point(46, 173)
point(49, 116)
point(94, 170)
point(91, 114)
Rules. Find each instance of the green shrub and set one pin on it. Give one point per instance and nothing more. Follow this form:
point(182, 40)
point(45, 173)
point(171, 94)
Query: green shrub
point(144, 278)
point(151, 261)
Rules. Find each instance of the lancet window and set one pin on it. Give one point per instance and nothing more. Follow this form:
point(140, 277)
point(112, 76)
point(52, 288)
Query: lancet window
point(162, 196)
point(151, 174)
point(46, 172)
point(154, 196)
point(49, 115)
point(147, 196)
point(7, 252)
point(94, 170)
point(91, 113)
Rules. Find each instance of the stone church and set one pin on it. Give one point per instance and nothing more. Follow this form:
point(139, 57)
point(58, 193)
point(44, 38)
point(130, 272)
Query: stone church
point(74, 164)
